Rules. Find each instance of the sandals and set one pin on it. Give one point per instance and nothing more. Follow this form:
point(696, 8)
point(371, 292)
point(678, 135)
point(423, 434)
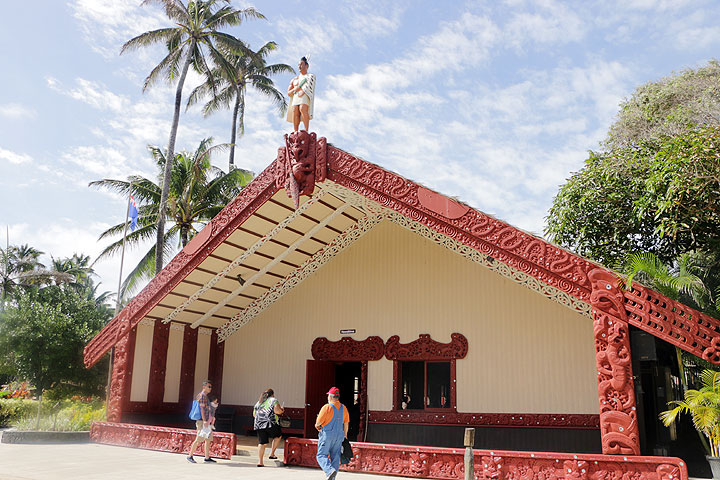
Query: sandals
point(272, 457)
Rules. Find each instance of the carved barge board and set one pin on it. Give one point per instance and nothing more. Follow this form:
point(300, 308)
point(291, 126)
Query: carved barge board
point(164, 439)
point(448, 463)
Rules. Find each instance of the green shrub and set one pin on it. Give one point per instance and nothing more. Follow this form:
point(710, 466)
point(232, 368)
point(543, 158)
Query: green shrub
point(12, 410)
point(64, 416)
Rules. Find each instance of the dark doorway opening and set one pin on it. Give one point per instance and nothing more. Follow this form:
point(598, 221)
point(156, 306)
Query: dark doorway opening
point(347, 379)
point(657, 382)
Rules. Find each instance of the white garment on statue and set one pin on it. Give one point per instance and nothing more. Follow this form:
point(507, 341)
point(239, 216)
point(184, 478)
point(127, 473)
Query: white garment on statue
point(308, 98)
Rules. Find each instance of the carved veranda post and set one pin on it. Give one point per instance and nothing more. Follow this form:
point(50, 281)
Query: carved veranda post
point(120, 382)
point(616, 390)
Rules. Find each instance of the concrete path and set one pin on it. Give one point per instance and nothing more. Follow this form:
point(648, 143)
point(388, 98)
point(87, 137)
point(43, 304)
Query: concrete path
point(93, 461)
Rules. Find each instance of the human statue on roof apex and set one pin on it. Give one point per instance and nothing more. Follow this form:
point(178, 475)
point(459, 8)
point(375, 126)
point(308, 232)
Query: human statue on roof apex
point(302, 97)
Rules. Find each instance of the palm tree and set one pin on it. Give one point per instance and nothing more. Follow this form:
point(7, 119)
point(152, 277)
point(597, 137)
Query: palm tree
point(242, 68)
point(197, 192)
point(20, 268)
point(193, 39)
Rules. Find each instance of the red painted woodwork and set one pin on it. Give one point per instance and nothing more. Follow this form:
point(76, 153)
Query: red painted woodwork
point(529, 420)
point(441, 204)
point(319, 377)
point(363, 401)
point(121, 377)
point(674, 322)
point(198, 241)
point(499, 241)
point(217, 359)
point(348, 350)
point(448, 463)
point(618, 414)
point(425, 348)
point(301, 164)
point(158, 360)
point(187, 366)
point(164, 439)
point(250, 198)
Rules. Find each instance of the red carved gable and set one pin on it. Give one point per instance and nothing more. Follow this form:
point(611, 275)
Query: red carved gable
point(299, 166)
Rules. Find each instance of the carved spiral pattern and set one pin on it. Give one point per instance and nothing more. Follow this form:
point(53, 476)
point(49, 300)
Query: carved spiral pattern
point(425, 348)
point(348, 350)
point(448, 463)
point(164, 439)
point(618, 415)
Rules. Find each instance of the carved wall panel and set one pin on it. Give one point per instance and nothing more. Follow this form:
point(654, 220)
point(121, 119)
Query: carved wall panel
point(217, 359)
point(616, 392)
point(530, 420)
point(187, 366)
point(425, 348)
point(348, 349)
point(164, 439)
point(448, 463)
point(158, 359)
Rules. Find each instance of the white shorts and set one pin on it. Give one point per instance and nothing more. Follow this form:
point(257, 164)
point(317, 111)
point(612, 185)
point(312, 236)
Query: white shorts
point(297, 100)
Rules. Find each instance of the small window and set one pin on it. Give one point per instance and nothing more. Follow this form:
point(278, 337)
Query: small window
point(424, 385)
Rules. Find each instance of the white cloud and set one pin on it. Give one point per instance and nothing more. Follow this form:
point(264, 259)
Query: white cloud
point(16, 111)
point(93, 93)
point(13, 157)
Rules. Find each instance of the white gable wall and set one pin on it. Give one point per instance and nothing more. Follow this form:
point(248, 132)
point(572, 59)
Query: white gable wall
point(527, 354)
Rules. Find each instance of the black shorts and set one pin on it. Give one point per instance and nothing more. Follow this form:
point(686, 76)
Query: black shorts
point(264, 434)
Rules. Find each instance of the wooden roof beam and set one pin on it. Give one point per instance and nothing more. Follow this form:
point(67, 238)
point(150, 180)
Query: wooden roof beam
point(307, 236)
point(238, 261)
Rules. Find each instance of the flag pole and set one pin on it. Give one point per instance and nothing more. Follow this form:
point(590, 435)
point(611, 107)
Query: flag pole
point(118, 299)
point(122, 256)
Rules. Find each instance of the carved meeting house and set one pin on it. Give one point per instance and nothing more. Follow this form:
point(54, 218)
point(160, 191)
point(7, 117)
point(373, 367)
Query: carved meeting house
point(429, 315)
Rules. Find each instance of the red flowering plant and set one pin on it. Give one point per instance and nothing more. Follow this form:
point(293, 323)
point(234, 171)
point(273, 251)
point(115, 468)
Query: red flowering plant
point(16, 390)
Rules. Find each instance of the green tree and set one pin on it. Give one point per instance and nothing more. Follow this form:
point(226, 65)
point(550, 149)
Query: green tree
point(45, 332)
point(668, 107)
point(660, 196)
point(193, 40)
point(241, 68)
point(198, 191)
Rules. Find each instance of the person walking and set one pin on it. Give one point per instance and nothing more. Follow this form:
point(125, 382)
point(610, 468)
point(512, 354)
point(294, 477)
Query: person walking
point(332, 424)
point(202, 424)
point(267, 424)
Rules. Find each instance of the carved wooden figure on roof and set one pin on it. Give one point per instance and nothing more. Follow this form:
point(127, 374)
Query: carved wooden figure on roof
point(302, 97)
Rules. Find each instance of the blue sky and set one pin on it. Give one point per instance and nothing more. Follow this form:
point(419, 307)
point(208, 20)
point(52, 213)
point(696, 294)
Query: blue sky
point(494, 102)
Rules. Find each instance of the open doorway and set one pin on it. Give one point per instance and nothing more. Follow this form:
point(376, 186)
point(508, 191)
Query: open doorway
point(320, 376)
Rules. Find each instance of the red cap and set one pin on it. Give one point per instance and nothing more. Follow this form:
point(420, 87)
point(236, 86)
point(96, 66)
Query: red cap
point(334, 391)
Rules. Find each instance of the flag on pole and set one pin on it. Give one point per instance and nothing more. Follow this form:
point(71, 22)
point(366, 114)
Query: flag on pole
point(133, 211)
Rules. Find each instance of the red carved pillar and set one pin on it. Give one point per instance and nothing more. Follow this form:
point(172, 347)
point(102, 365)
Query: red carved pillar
point(158, 360)
point(187, 366)
point(121, 377)
point(616, 391)
point(217, 358)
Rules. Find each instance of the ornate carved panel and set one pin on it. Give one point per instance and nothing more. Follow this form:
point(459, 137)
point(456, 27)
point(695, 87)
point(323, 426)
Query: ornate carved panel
point(425, 348)
point(217, 359)
point(187, 366)
point(448, 463)
point(301, 164)
point(674, 322)
point(530, 420)
point(121, 377)
point(618, 414)
point(164, 439)
point(158, 359)
point(348, 349)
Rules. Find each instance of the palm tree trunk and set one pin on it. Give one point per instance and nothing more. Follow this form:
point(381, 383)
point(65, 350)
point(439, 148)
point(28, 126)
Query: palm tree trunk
point(169, 160)
point(233, 134)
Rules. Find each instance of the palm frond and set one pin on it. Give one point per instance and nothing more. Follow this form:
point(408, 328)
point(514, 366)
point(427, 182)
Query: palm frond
point(161, 35)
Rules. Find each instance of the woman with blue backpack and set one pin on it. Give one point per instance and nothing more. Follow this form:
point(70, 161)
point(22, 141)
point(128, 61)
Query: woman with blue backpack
point(200, 412)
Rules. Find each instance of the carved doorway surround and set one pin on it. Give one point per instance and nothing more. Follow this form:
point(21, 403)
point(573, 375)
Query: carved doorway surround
point(348, 349)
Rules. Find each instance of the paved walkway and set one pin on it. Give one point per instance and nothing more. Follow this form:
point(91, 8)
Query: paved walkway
point(93, 461)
